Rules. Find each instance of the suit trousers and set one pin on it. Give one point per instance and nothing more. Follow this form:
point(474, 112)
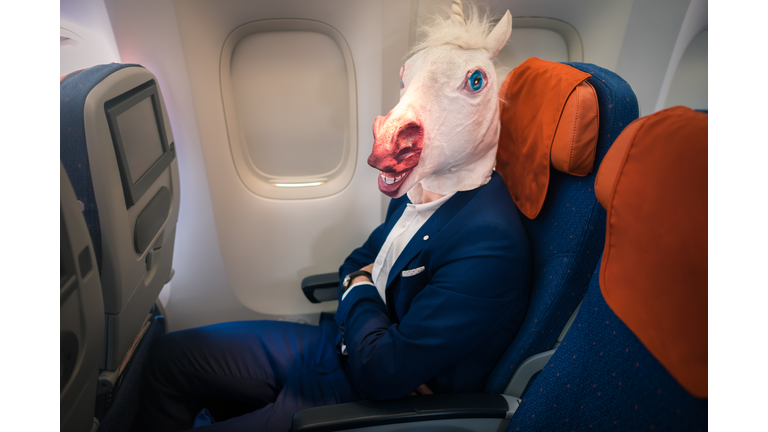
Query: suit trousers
point(276, 368)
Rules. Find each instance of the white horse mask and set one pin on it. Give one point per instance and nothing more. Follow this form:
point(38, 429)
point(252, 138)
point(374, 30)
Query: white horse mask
point(443, 134)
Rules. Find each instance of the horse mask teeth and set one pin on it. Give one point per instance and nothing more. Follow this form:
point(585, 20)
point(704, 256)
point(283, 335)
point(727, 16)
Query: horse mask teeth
point(391, 180)
point(444, 131)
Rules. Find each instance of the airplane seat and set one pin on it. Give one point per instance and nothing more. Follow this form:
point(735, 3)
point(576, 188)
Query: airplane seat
point(81, 315)
point(558, 120)
point(118, 151)
point(636, 357)
point(116, 409)
point(553, 115)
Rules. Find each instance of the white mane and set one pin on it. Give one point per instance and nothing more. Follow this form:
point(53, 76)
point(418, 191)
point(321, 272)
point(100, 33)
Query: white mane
point(447, 31)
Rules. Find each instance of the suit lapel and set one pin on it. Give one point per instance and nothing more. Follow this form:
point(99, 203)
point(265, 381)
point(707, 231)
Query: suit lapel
point(429, 230)
point(414, 246)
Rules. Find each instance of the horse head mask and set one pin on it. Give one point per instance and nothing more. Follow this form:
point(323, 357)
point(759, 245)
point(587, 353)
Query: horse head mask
point(443, 134)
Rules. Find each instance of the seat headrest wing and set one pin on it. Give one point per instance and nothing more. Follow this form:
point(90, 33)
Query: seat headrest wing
point(575, 141)
point(549, 115)
point(653, 183)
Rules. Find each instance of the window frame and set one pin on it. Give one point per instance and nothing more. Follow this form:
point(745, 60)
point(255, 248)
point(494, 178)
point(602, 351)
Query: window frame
point(568, 32)
point(285, 187)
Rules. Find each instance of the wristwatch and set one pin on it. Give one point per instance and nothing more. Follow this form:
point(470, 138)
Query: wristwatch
point(348, 279)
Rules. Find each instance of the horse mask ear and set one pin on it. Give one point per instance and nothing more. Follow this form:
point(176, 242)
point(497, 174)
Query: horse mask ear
point(499, 36)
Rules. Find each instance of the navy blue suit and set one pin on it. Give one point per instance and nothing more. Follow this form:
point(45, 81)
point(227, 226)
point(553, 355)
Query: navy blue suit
point(446, 326)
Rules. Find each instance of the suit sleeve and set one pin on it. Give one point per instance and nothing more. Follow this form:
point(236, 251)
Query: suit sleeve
point(478, 278)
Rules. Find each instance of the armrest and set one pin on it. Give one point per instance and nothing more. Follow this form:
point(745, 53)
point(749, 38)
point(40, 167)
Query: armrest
point(406, 410)
point(527, 369)
point(322, 287)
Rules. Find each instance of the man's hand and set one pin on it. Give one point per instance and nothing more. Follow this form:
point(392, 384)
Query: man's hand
point(361, 278)
point(421, 390)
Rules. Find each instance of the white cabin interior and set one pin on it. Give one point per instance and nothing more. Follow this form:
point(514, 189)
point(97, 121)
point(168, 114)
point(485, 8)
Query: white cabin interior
point(241, 251)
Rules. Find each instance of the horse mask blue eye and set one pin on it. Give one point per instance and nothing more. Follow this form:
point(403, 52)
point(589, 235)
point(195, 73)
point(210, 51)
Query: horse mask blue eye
point(476, 81)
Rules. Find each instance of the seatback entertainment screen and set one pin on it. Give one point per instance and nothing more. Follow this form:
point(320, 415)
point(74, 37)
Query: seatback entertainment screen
point(138, 133)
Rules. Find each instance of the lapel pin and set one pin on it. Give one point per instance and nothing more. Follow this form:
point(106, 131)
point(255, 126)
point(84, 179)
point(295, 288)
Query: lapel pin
point(426, 237)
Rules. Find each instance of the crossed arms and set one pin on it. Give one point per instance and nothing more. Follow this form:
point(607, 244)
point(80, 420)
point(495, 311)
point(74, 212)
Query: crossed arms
point(476, 278)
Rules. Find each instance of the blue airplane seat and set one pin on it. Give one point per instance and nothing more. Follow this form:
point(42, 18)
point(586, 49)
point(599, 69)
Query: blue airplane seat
point(603, 378)
point(72, 144)
point(636, 355)
point(118, 151)
point(568, 233)
point(117, 409)
point(81, 315)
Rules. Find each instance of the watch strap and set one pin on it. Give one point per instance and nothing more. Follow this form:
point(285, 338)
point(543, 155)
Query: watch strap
point(353, 275)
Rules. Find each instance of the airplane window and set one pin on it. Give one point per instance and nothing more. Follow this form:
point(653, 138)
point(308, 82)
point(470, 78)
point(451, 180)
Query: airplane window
point(689, 85)
point(290, 105)
point(290, 97)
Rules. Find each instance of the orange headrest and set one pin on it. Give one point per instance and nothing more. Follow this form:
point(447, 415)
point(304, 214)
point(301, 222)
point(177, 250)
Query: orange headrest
point(548, 113)
point(653, 183)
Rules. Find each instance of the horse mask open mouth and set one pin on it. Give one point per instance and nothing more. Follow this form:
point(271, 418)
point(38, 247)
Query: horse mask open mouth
point(443, 133)
point(397, 150)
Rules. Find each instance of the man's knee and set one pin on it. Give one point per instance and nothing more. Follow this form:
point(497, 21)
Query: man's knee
point(202, 349)
point(163, 354)
point(173, 355)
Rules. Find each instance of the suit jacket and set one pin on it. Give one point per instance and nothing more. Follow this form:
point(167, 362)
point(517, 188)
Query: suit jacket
point(448, 325)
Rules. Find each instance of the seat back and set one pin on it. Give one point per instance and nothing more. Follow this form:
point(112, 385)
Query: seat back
point(567, 234)
point(636, 357)
point(603, 378)
point(81, 315)
point(118, 151)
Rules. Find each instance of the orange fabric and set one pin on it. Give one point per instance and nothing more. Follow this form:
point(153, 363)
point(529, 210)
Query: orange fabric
point(575, 142)
point(531, 101)
point(613, 162)
point(654, 268)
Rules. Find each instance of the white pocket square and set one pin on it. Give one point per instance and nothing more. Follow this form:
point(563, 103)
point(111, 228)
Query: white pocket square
point(414, 272)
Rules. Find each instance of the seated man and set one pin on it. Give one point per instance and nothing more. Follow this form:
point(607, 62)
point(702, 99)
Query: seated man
point(429, 303)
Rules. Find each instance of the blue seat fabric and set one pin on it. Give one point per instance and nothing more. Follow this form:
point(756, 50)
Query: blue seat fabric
point(603, 378)
point(568, 235)
point(73, 92)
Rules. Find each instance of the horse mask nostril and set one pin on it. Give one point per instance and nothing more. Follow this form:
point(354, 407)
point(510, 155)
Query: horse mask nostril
point(409, 140)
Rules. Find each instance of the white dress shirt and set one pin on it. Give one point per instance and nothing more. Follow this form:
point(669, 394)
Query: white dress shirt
point(413, 217)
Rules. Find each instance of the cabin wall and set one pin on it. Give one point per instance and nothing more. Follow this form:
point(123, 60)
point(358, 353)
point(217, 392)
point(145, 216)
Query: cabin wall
point(635, 39)
point(398, 20)
point(686, 80)
point(147, 33)
point(87, 37)
point(240, 256)
point(270, 245)
point(646, 51)
point(601, 24)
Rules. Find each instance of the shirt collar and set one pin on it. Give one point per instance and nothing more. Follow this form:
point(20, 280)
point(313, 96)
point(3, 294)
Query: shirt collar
point(429, 207)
